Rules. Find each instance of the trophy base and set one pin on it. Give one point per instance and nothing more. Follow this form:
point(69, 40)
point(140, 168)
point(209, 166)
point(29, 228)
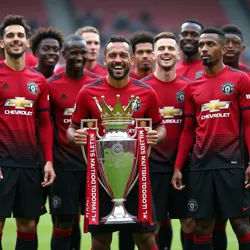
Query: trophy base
point(119, 214)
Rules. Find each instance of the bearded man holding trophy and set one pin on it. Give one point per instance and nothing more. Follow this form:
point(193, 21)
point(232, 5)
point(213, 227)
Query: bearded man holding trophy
point(112, 123)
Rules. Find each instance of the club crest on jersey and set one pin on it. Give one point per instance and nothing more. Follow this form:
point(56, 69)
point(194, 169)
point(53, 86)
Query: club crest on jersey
point(180, 95)
point(136, 105)
point(227, 88)
point(198, 73)
point(32, 87)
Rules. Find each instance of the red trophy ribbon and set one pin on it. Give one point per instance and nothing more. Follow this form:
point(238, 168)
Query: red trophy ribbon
point(145, 196)
point(92, 194)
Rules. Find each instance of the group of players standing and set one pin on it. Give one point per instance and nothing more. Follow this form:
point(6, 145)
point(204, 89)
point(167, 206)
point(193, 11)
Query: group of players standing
point(197, 171)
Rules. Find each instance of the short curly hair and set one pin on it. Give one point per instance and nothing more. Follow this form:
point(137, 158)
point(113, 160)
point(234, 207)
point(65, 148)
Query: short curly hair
point(14, 20)
point(141, 37)
point(43, 33)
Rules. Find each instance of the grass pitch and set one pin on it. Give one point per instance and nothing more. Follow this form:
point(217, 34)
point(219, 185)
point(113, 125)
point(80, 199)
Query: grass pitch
point(45, 229)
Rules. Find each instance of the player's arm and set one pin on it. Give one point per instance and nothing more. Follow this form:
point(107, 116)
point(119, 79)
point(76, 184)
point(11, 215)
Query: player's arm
point(186, 140)
point(158, 133)
point(244, 100)
point(45, 133)
point(75, 135)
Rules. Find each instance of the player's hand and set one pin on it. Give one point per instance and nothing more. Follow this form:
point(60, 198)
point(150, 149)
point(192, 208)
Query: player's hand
point(177, 180)
point(247, 177)
point(152, 137)
point(1, 174)
point(81, 137)
point(49, 174)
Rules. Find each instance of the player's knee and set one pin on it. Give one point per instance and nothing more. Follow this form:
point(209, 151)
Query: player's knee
point(144, 239)
point(26, 225)
point(188, 225)
point(64, 222)
point(240, 226)
point(203, 227)
point(101, 241)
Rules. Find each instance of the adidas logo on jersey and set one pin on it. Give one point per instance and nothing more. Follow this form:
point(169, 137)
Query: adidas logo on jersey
point(5, 85)
point(64, 97)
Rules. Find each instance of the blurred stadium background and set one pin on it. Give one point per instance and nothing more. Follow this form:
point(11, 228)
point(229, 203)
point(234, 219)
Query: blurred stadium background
point(124, 17)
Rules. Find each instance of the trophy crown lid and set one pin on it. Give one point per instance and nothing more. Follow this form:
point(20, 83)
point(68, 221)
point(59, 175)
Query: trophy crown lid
point(118, 113)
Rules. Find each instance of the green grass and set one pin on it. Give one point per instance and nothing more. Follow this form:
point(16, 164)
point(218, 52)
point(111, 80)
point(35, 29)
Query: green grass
point(44, 230)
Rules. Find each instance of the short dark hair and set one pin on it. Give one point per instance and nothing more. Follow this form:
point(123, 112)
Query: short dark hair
point(72, 37)
point(232, 29)
point(14, 20)
point(141, 37)
point(43, 33)
point(213, 30)
point(193, 21)
point(166, 35)
point(118, 39)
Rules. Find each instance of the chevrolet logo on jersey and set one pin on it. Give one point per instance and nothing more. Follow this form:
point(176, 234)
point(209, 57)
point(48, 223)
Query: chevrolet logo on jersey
point(19, 103)
point(215, 106)
point(170, 112)
point(68, 111)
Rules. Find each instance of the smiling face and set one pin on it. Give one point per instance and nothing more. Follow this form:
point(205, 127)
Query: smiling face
point(211, 49)
point(48, 52)
point(118, 59)
point(166, 53)
point(75, 54)
point(14, 41)
point(189, 37)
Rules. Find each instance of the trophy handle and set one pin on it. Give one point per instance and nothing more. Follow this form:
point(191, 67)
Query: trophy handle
point(139, 123)
point(91, 125)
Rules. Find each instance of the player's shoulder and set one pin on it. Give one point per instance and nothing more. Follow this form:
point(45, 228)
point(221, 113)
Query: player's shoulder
point(183, 79)
point(101, 66)
point(140, 84)
point(34, 75)
point(1, 66)
point(245, 69)
point(55, 78)
point(94, 84)
point(92, 75)
point(147, 78)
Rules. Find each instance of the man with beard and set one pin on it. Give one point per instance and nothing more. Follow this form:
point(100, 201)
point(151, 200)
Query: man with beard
point(118, 60)
point(68, 160)
point(165, 80)
point(24, 95)
point(191, 65)
point(235, 48)
point(142, 43)
point(215, 106)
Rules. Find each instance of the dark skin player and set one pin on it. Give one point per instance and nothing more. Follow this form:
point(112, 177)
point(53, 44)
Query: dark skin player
point(189, 38)
point(75, 54)
point(212, 48)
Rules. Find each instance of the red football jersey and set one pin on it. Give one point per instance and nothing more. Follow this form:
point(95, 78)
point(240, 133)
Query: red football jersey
point(190, 70)
point(30, 60)
point(98, 69)
point(23, 93)
point(245, 69)
point(63, 92)
point(171, 102)
point(133, 75)
point(217, 103)
point(146, 107)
